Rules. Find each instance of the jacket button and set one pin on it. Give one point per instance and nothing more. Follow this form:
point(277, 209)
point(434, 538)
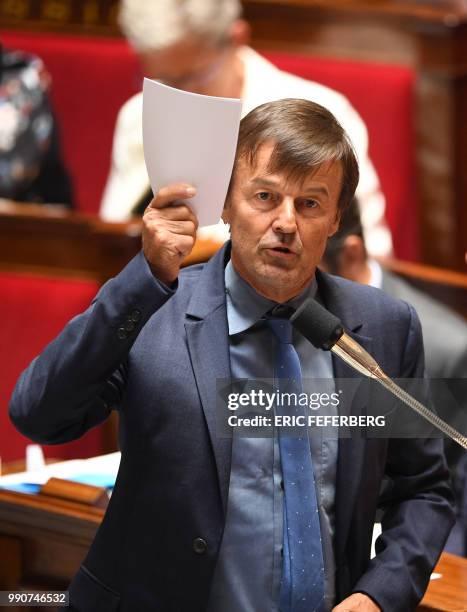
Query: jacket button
point(129, 325)
point(121, 333)
point(199, 546)
point(135, 315)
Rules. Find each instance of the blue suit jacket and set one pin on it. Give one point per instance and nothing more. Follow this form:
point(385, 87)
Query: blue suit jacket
point(156, 360)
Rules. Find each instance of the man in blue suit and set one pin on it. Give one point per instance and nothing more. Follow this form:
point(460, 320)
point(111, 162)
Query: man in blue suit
point(198, 521)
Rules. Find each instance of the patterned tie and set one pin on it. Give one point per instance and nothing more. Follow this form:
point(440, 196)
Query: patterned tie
point(302, 585)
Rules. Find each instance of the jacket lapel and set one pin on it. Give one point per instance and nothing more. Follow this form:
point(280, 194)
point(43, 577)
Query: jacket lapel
point(351, 451)
point(208, 344)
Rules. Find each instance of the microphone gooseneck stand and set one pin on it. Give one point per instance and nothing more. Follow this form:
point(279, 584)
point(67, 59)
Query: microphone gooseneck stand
point(325, 331)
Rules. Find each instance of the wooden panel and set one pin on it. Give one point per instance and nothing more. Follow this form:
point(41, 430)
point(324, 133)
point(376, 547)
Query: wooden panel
point(43, 240)
point(48, 557)
point(449, 592)
point(94, 17)
point(43, 540)
point(22, 514)
point(10, 562)
point(35, 238)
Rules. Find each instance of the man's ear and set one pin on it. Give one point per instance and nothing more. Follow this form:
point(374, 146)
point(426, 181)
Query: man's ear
point(335, 225)
point(226, 211)
point(239, 33)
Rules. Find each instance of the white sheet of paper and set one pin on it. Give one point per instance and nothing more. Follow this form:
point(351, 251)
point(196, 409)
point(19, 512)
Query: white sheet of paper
point(190, 138)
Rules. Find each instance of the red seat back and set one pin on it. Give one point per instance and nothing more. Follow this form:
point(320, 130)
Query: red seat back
point(33, 310)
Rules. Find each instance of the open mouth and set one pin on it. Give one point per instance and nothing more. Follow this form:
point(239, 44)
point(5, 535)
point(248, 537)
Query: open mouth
point(282, 250)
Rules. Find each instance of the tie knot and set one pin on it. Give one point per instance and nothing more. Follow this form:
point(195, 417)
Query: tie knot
point(282, 329)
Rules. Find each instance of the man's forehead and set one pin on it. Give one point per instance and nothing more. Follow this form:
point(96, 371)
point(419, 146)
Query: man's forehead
point(259, 171)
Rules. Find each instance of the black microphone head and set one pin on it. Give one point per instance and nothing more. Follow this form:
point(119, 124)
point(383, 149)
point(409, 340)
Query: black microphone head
point(317, 324)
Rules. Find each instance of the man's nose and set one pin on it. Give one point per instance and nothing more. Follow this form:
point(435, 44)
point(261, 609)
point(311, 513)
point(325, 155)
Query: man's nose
point(285, 221)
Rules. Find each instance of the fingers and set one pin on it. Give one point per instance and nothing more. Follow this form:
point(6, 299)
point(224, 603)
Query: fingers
point(174, 212)
point(357, 602)
point(184, 227)
point(169, 230)
point(169, 194)
point(167, 206)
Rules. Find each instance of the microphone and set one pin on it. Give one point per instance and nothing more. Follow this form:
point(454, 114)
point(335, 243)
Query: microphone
point(325, 331)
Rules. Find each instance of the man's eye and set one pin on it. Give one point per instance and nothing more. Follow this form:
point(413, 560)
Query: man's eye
point(307, 204)
point(310, 203)
point(264, 196)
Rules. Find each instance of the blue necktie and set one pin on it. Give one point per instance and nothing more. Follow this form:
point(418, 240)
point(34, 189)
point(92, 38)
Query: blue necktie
point(302, 585)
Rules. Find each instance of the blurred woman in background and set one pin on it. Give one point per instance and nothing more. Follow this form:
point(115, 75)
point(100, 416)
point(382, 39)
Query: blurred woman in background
point(31, 168)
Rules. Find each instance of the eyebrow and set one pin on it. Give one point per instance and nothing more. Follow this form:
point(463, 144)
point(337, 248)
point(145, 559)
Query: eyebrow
point(274, 184)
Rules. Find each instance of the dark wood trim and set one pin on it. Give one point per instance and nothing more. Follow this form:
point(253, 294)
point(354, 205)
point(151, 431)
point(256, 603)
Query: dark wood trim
point(427, 274)
point(446, 286)
point(41, 240)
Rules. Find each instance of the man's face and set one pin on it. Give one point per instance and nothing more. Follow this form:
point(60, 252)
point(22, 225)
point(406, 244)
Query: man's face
point(193, 65)
point(279, 228)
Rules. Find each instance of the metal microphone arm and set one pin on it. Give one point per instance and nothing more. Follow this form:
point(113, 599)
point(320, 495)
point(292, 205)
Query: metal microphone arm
point(356, 357)
point(325, 331)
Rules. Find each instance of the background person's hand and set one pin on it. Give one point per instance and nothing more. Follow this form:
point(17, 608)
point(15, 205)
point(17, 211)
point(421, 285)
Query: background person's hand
point(357, 602)
point(169, 231)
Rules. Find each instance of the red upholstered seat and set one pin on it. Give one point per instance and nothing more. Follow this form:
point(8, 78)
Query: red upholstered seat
point(33, 310)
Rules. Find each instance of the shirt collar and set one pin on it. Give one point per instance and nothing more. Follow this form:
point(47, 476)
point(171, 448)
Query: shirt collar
point(245, 306)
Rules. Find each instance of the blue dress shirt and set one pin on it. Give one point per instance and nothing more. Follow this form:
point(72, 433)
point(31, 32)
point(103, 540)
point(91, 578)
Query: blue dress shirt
point(249, 568)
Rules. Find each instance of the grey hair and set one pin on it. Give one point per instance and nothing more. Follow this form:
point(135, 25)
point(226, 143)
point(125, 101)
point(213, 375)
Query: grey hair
point(157, 24)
